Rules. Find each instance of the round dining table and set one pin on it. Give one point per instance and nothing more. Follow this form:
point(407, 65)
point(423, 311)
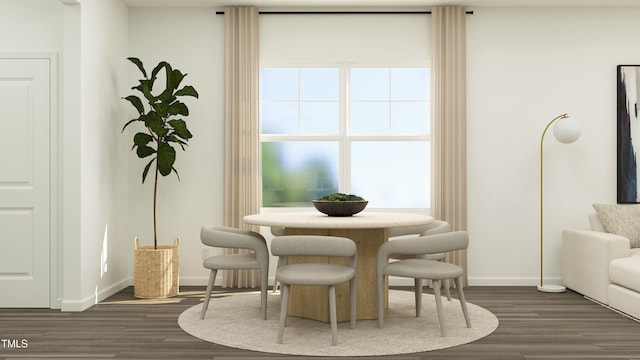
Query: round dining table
point(368, 229)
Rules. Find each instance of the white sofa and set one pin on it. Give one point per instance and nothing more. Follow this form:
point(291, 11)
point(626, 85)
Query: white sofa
point(602, 266)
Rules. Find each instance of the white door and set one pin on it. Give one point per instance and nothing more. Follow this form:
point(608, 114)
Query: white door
point(24, 182)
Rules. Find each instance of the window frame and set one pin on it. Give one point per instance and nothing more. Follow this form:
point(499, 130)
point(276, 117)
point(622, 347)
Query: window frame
point(343, 138)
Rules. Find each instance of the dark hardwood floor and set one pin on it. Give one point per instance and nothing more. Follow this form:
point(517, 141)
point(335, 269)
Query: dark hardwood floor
point(533, 325)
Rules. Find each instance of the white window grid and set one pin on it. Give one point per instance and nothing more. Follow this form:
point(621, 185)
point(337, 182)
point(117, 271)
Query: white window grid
point(343, 137)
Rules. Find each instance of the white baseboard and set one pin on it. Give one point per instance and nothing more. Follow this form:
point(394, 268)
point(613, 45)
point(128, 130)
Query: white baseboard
point(509, 281)
point(99, 295)
point(199, 280)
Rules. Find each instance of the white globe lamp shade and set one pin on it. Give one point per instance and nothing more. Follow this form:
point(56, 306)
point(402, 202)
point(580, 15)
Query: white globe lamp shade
point(567, 130)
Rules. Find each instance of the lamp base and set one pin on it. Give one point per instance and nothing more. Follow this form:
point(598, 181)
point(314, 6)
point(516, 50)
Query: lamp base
point(552, 288)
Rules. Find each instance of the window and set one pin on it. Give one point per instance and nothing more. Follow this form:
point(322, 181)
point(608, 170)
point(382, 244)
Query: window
point(359, 130)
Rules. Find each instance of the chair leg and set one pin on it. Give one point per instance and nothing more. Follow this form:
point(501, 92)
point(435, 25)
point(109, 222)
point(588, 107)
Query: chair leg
point(418, 295)
point(463, 302)
point(353, 297)
point(264, 284)
point(332, 315)
point(380, 288)
point(275, 279)
point(436, 290)
point(205, 305)
point(447, 285)
point(284, 296)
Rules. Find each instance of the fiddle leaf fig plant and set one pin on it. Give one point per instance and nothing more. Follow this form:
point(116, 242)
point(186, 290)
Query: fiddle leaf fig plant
point(160, 113)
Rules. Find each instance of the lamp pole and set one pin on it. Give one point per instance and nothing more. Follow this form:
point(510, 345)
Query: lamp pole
point(542, 287)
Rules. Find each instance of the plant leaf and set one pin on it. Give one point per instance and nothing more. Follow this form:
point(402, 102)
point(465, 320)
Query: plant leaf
point(142, 139)
point(166, 158)
point(167, 94)
point(138, 64)
point(145, 87)
point(176, 78)
point(180, 129)
point(130, 122)
point(173, 138)
point(178, 108)
point(187, 91)
point(136, 102)
point(162, 109)
point(146, 169)
point(144, 151)
point(155, 124)
point(160, 66)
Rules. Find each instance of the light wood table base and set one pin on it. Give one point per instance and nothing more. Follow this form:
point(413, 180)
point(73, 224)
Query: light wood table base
point(312, 302)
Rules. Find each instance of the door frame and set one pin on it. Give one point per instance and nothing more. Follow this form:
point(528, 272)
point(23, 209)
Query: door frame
point(55, 186)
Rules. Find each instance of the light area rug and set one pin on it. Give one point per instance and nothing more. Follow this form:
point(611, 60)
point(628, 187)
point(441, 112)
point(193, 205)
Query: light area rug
point(235, 321)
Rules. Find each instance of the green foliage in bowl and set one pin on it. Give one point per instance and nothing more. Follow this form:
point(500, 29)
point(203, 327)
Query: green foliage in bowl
point(341, 197)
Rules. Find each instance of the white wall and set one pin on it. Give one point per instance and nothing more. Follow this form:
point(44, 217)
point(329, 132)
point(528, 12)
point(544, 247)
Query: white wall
point(105, 249)
point(70, 159)
point(90, 41)
point(191, 40)
point(35, 26)
point(313, 39)
point(526, 66)
point(30, 25)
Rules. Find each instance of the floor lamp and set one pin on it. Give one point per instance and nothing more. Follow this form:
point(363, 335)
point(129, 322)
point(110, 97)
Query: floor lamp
point(566, 131)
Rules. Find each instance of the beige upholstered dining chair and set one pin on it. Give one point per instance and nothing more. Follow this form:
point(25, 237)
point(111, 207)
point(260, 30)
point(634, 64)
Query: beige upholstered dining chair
point(226, 237)
point(315, 273)
point(420, 269)
point(432, 228)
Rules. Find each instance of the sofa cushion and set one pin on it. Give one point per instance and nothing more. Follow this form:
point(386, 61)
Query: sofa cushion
point(626, 272)
point(596, 223)
point(623, 220)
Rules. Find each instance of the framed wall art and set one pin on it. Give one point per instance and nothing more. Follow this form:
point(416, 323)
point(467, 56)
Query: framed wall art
point(628, 127)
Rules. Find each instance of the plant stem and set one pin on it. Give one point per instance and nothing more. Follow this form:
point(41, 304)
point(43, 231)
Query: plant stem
point(155, 197)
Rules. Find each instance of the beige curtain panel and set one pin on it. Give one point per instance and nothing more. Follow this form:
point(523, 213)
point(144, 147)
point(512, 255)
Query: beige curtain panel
point(449, 124)
point(241, 148)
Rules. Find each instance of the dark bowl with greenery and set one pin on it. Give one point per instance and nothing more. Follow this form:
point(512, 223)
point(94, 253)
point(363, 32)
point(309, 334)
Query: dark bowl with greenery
point(338, 204)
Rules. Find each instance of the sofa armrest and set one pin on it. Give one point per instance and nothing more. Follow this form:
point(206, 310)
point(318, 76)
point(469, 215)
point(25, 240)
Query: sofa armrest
point(585, 260)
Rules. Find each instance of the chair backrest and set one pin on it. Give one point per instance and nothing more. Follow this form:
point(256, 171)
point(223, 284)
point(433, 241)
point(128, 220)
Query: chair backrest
point(437, 227)
point(434, 227)
point(313, 245)
point(430, 244)
point(228, 237)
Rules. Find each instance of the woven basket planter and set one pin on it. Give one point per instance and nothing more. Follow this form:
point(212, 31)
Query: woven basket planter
point(155, 271)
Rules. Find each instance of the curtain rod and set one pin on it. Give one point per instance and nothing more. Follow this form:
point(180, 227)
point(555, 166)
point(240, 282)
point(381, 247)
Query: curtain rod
point(341, 12)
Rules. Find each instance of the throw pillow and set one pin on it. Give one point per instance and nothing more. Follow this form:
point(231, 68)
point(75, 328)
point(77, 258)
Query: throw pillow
point(623, 220)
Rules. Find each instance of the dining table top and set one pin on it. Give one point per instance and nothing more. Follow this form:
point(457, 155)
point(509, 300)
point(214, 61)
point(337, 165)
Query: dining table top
point(317, 220)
